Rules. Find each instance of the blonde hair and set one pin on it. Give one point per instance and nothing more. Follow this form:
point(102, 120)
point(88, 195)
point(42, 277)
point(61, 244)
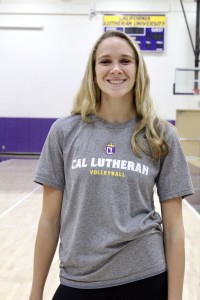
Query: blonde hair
point(88, 101)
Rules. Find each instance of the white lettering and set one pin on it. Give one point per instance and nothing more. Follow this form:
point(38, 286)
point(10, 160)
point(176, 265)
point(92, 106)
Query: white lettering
point(123, 164)
point(130, 165)
point(93, 164)
point(138, 168)
point(116, 163)
point(79, 163)
point(145, 170)
point(108, 162)
point(111, 163)
point(84, 165)
point(74, 164)
point(101, 162)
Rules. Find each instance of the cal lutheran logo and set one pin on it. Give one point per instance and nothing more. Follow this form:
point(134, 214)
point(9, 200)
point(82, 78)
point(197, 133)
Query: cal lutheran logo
point(110, 149)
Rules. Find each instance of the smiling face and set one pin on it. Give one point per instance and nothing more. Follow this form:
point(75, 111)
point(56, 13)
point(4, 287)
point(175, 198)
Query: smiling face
point(115, 68)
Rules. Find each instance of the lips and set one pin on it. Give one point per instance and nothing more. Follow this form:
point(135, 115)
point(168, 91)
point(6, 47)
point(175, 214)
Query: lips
point(116, 81)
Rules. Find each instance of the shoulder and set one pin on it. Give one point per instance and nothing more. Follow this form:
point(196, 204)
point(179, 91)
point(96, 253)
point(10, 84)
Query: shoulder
point(68, 121)
point(171, 134)
point(171, 138)
point(66, 124)
point(168, 130)
point(64, 128)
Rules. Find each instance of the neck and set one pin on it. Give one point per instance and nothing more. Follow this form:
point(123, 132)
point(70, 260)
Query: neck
point(116, 110)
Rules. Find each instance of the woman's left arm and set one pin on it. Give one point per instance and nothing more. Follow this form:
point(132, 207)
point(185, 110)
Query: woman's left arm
point(173, 230)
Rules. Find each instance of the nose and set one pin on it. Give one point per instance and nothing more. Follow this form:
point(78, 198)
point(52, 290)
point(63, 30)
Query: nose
point(115, 69)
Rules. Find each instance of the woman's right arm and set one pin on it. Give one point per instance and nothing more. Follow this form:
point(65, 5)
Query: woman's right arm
point(46, 240)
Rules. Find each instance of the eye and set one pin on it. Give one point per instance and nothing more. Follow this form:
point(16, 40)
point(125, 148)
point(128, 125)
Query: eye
point(105, 62)
point(125, 61)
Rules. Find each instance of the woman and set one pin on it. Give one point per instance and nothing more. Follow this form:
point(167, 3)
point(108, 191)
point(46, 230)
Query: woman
point(98, 169)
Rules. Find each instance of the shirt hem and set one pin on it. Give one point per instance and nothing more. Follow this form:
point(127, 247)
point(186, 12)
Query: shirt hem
point(42, 181)
point(183, 194)
point(111, 283)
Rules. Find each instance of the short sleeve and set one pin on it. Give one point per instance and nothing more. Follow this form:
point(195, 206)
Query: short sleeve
point(174, 178)
point(50, 169)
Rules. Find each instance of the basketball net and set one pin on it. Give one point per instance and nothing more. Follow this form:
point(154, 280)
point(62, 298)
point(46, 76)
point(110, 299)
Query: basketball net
point(196, 91)
point(197, 96)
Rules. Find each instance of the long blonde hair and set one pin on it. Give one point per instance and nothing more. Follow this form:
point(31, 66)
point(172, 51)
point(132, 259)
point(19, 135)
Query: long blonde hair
point(88, 101)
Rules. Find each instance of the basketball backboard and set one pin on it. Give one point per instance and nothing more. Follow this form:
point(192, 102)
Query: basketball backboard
point(187, 81)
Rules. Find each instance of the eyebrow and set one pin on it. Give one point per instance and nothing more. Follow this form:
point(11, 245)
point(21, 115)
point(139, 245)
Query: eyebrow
point(121, 56)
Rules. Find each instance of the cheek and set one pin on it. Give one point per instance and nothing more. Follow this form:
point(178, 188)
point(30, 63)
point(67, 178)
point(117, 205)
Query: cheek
point(97, 78)
point(101, 72)
point(134, 75)
point(98, 75)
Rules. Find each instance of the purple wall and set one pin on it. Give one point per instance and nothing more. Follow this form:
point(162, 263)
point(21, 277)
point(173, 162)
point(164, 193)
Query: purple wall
point(23, 134)
point(173, 122)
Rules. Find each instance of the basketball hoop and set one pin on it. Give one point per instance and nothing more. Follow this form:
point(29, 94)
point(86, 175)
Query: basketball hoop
point(187, 81)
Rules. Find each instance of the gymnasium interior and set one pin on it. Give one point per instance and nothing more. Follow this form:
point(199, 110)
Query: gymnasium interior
point(44, 47)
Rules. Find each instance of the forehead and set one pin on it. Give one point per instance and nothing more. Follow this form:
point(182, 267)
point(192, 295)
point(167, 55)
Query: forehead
point(114, 45)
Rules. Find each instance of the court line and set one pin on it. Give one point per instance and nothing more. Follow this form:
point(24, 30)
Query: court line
point(191, 208)
point(4, 162)
point(19, 202)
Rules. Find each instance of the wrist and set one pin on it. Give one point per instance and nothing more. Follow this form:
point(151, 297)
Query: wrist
point(36, 295)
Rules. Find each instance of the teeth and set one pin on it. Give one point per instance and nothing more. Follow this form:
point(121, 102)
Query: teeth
point(116, 81)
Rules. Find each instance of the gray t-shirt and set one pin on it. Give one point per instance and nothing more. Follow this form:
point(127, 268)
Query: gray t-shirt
point(110, 232)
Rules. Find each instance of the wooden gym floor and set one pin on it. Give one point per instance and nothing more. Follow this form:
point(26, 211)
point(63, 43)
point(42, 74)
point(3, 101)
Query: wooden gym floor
point(20, 206)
